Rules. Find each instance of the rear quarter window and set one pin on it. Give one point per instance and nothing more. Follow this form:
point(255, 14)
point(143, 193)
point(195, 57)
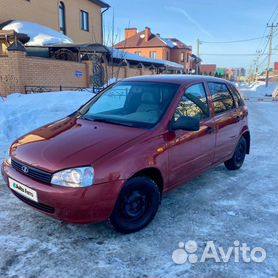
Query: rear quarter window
point(237, 96)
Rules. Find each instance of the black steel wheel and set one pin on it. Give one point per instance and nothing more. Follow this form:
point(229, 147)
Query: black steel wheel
point(239, 155)
point(136, 206)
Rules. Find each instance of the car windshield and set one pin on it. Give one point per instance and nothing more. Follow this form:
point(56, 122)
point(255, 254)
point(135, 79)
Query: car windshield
point(135, 104)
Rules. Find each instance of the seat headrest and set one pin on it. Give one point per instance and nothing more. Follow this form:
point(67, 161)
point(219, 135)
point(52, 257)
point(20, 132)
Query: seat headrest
point(149, 98)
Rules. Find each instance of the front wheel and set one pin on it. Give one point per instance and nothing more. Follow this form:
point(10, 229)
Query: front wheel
point(239, 155)
point(136, 206)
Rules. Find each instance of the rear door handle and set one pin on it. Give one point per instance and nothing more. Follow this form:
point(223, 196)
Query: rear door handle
point(211, 130)
point(238, 118)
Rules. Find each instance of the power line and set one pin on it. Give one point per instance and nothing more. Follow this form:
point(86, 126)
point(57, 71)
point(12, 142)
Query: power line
point(263, 53)
point(261, 42)
point(238, 41)
point(273, 15)
point(234, 54)
point(264, 60)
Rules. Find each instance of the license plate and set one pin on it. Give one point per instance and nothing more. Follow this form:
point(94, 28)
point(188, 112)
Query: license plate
point(23, 190)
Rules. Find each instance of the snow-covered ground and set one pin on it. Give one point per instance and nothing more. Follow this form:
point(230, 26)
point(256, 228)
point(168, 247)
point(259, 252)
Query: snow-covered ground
point(220, 205)
point(20, 113)
point(258, 89)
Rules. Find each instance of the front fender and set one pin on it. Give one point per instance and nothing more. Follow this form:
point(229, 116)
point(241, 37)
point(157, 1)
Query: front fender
point(133, 158)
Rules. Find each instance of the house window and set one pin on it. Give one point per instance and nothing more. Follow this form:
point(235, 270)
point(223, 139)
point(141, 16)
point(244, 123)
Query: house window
point(153, 54)
point(182, 57)
point(62, 17)
point(85, 21)
point(138, 53)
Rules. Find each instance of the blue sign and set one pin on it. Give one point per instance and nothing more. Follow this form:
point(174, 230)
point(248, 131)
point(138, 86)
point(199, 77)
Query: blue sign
point(78, 74)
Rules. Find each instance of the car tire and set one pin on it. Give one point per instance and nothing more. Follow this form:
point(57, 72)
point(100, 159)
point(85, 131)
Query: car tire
point(136, 206)
point(239, 155)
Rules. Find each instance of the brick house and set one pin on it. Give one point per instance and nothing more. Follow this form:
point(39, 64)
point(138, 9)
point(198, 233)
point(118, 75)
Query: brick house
point(150, 45)
point(208, 69)
point(80, 20)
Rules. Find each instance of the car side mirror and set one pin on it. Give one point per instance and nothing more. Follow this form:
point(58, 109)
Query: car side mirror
point(186, 123)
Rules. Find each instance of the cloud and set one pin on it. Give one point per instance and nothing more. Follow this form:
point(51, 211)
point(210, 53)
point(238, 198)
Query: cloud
point(189, 18)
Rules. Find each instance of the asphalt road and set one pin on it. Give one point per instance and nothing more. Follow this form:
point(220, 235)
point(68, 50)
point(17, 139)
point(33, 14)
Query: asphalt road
point(219, 206)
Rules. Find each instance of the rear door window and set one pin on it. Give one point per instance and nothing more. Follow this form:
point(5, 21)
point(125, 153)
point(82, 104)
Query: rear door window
point(222, 98)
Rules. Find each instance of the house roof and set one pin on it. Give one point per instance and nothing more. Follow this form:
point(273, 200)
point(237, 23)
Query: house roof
point(138, 40)
point(196, 58)
point(119, 54)
point(179, 44)
point(100, 3)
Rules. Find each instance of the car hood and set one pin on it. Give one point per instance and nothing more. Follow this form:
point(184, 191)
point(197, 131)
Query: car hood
point(71, 142)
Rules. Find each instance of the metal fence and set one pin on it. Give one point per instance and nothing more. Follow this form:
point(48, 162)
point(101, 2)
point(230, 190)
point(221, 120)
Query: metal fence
point(45, 89)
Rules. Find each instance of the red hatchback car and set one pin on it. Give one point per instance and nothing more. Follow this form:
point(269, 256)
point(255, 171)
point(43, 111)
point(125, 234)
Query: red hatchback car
point(115, 156)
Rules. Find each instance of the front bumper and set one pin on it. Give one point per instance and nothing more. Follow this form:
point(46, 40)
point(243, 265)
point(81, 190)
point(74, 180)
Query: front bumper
point(72, 205)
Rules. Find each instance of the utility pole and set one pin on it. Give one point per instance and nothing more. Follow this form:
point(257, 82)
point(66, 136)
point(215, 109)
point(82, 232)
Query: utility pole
point(198, 55)
point(250, 74)
point(258, 63)
point(113, 42)
point(270, 51)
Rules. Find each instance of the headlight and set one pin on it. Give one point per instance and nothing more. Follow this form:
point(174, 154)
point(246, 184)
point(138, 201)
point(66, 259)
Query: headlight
point(76, 177)
point(7, 158)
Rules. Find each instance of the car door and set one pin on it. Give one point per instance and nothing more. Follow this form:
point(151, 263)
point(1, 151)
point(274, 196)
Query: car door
point(227, 118)
point(191, 152)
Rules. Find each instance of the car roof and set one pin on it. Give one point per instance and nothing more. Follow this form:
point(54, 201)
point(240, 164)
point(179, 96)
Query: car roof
point(175, 78)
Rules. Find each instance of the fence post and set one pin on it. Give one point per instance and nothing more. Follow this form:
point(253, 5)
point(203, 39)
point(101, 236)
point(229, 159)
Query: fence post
point(61, 88)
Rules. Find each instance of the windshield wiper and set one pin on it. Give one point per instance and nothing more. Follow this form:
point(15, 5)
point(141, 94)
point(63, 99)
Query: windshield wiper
point(108, 121)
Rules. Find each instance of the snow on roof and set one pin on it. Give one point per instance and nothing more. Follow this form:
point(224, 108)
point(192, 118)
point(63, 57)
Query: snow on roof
point(39, 35)
point(102, 4)
point(168, 42)
point(119, 54)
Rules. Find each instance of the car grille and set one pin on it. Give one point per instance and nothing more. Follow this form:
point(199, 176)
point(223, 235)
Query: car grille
point(36, 205)
point(33, 173)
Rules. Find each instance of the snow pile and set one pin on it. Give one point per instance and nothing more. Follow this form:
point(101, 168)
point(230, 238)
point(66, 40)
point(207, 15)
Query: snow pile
point(255, 85)
point(19, 114)
point(236, 84)
point(275, 94)
point(40, 35)
point(258, 89)
point(251, 86)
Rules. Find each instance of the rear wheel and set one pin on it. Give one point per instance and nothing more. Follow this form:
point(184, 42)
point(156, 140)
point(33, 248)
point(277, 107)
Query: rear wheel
point(239, 155)
point(136, 206)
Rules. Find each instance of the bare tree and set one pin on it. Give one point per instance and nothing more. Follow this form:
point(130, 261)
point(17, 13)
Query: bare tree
point(111, 37)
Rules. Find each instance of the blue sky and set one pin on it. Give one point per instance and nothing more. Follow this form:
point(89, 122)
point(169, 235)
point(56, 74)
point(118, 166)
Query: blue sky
point(209, 20)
